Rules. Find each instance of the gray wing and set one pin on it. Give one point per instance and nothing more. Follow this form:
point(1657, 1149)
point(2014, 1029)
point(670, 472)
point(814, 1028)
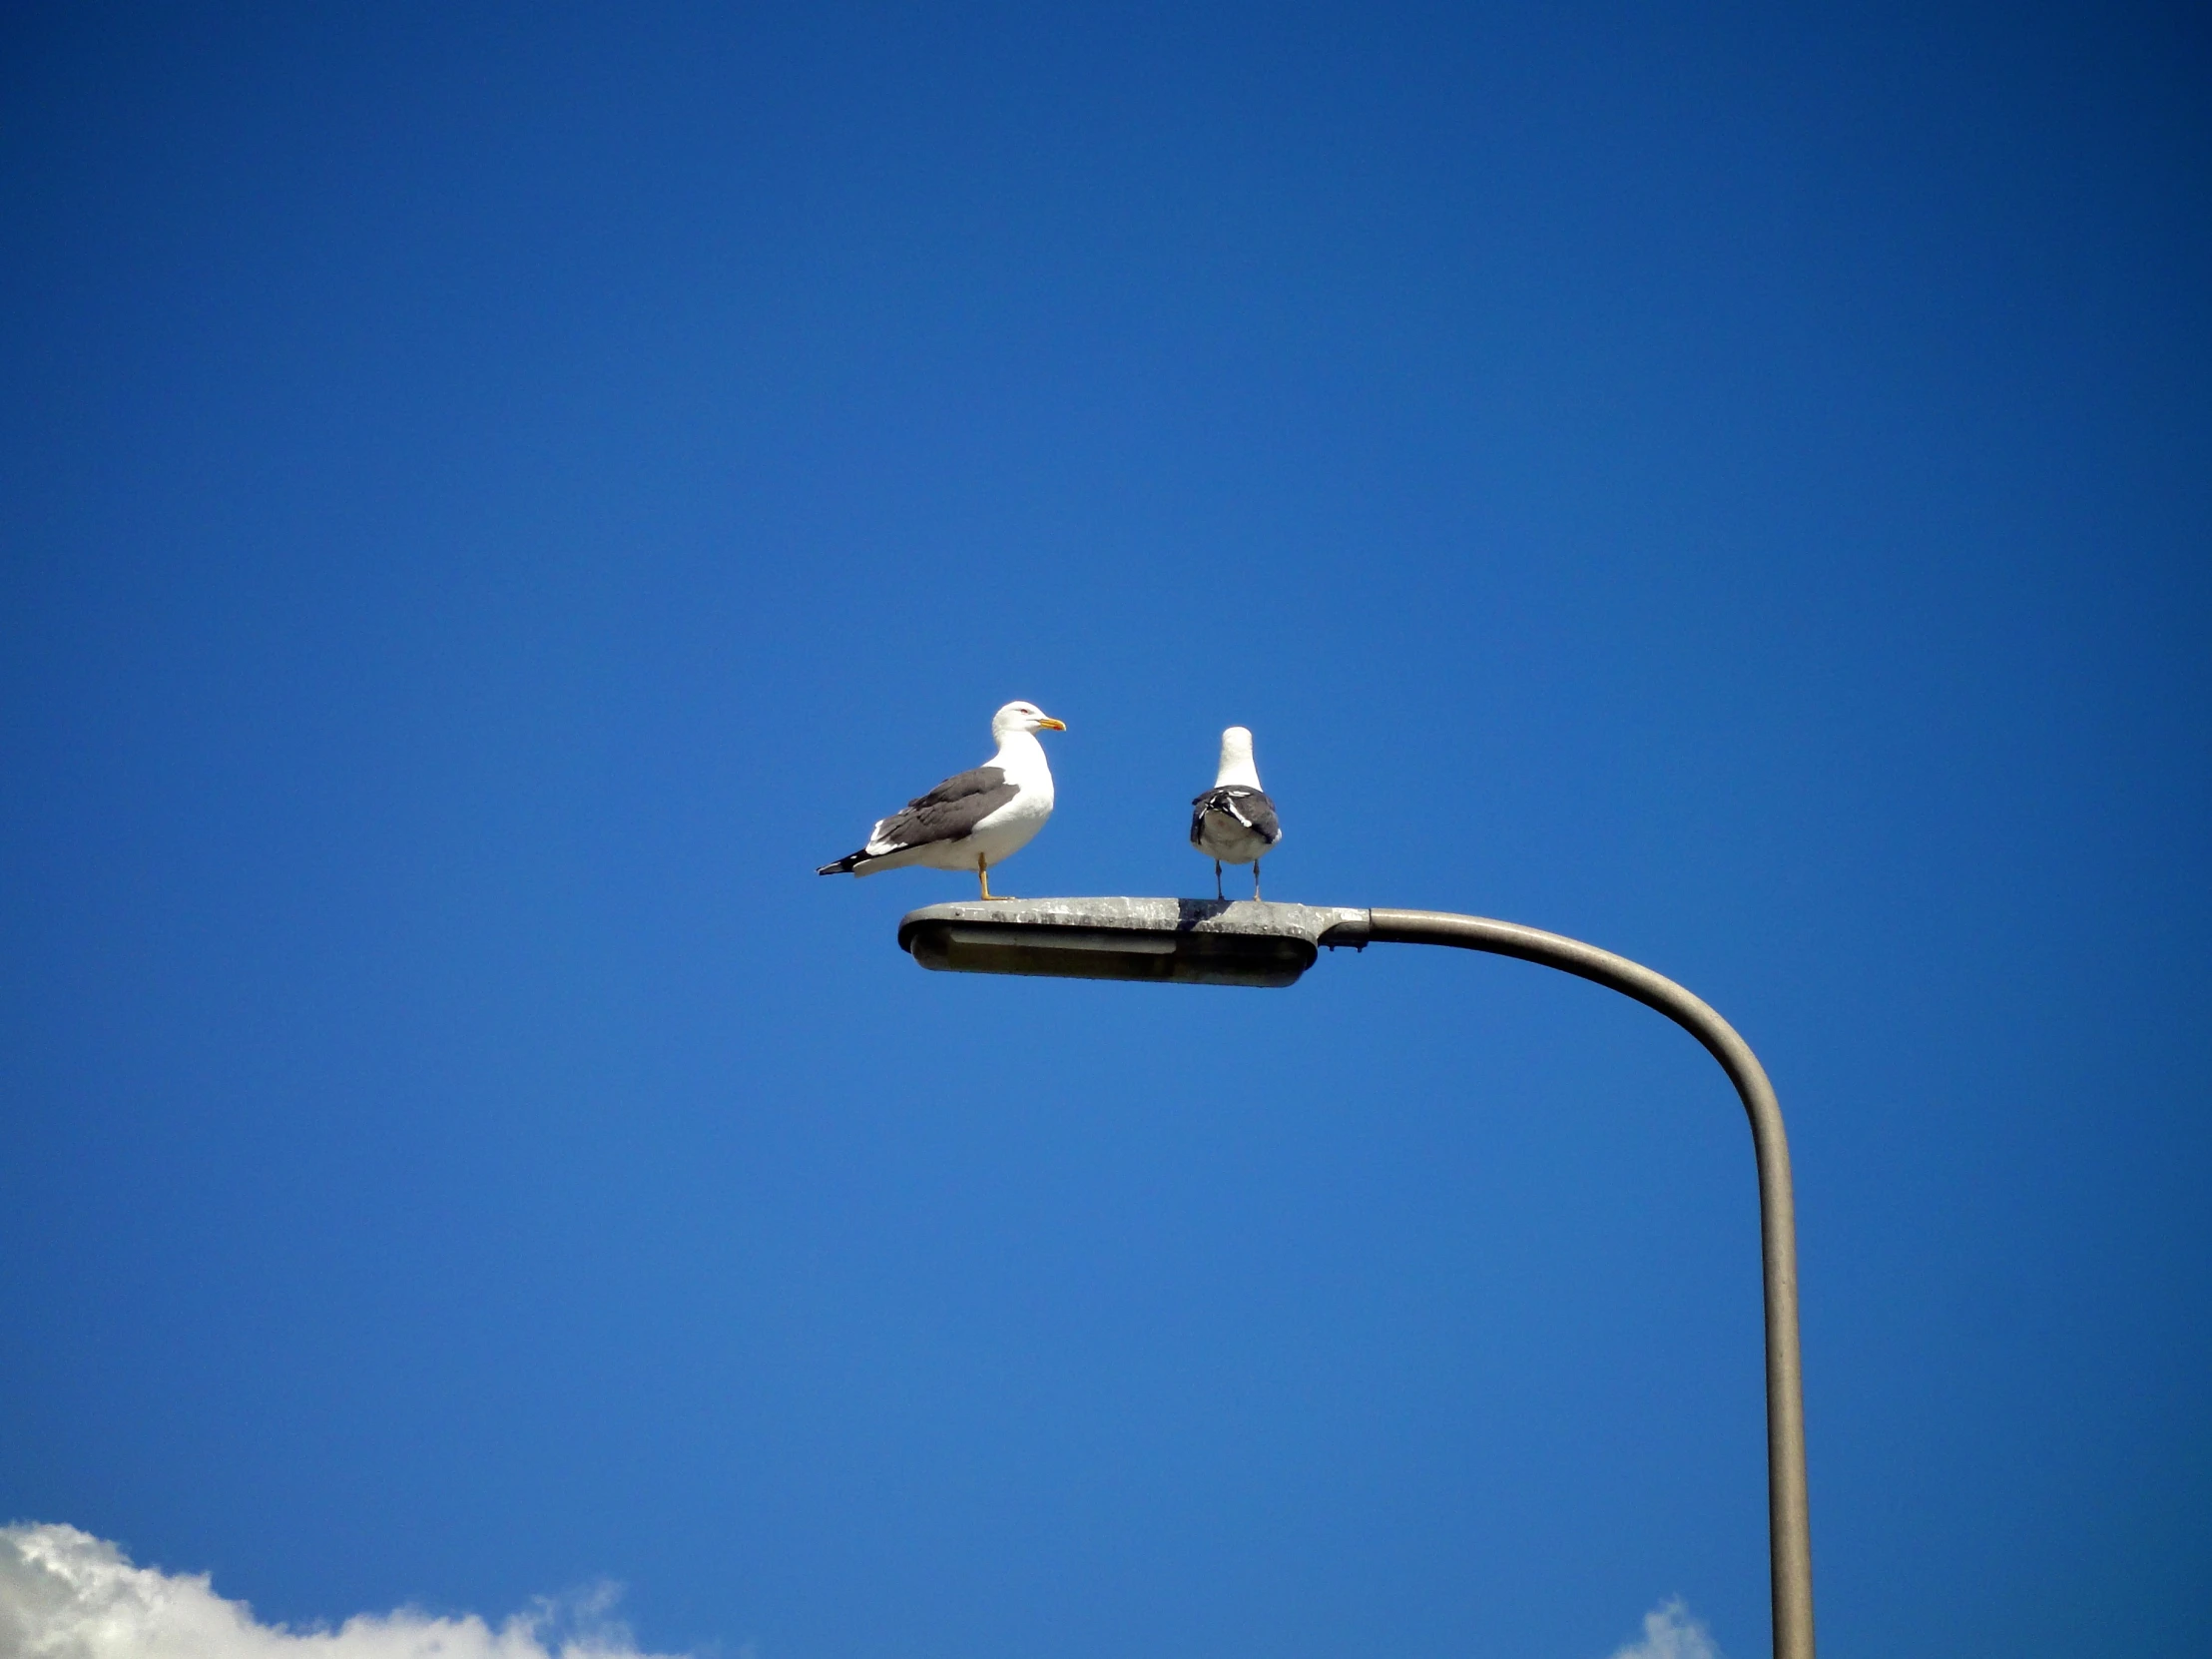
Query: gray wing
point(1249, 806)
point(952, 809)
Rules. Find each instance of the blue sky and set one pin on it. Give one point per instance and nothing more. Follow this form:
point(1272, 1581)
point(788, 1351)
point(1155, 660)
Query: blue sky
point(493, 496)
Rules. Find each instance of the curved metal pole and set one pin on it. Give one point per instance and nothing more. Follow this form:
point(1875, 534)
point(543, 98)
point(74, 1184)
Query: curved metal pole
point(1788, 1528)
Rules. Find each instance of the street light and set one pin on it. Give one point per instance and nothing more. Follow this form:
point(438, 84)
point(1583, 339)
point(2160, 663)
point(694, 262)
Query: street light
point(1178, 941)
point(1211, 942)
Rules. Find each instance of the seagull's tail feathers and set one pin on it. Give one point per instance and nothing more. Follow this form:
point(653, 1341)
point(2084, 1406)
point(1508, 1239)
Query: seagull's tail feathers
point(871, 859)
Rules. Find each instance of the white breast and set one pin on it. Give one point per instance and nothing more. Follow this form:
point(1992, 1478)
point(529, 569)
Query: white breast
point(1007, 830)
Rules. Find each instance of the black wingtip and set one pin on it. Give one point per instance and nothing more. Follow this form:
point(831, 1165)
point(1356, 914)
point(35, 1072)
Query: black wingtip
point(843, 866)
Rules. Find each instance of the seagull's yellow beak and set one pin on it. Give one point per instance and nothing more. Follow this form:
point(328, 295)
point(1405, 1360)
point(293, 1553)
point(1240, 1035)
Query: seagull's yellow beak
point(1048, 723)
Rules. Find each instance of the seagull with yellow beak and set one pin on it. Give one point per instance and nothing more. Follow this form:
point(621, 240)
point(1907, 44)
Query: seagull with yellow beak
point(981, 818)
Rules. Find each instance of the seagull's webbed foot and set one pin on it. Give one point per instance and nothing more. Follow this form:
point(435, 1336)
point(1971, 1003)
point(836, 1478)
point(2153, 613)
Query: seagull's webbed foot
point(983, 881)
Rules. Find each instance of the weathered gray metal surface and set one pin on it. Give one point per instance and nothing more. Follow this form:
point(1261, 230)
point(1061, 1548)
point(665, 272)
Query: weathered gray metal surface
point(1202, 941)
point(1172, 915)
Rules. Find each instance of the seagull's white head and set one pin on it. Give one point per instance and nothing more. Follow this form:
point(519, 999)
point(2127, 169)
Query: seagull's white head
point(1236, 758)
point(1022, 717)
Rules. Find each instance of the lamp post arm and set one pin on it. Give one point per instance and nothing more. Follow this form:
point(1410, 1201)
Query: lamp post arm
point(1789, 1531)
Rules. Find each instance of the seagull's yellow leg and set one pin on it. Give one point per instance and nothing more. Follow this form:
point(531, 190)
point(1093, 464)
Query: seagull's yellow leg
point(983, 879)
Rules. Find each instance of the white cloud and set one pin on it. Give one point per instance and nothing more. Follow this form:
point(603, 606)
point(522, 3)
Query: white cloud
point(65, 1594)
point(1670, 1633)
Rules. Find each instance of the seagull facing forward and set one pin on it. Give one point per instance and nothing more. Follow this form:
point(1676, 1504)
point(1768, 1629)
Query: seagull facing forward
point(980, 819)
point(1234, 822)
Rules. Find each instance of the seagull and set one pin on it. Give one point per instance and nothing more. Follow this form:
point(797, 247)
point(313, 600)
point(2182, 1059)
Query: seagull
point(980, 819)
point(1233, 821)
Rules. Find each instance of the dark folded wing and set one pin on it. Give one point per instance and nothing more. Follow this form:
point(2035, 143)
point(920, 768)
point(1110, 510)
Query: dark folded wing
point(1247, 806)
point(952, 809)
